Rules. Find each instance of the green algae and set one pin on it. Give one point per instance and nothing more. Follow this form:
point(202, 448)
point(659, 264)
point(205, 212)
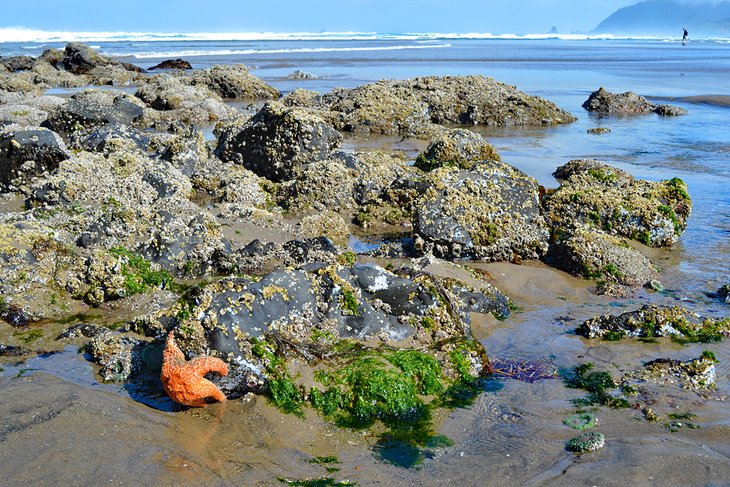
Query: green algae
point(138, 273)
point(349, 302)
point(597, 384)
point(28, 336)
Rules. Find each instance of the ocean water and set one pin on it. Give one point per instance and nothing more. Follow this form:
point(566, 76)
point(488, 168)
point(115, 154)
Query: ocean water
point(514, 435)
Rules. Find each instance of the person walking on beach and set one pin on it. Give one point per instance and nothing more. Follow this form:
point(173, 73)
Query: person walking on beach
point(685, 37)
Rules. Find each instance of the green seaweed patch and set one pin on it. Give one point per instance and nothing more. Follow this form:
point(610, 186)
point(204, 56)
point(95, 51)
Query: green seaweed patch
point(348, 258)
point(328, 463)
point(710, 331)
point(283, 392)
point(138, 273)
point(28, 336)
point(613, 336)
point(597, 384)
point(678, 189)
point(349, 302)
point(707, 355)
point(603, 175)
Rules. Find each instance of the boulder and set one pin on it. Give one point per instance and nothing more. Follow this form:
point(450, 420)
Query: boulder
point(277, 141)
point(656, 321)
point(593, 254)
point(233, 81)
point(724, 293)
point(172, 64)
point(299, 74)
point(412, 106)
point(94, 108)
point(489, 213)
point(603, 101)
point(78, 58)
point(26, 152)
point(175, 101)
point(596, 195)
point(457, 147)
point(17, 63)
point(111, 137)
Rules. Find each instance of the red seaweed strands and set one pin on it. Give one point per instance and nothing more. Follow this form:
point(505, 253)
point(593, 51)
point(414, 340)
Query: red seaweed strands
point(524, 370)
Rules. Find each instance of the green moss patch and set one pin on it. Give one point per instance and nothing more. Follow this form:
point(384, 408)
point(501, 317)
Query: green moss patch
point(597, 384)
point(138, 273)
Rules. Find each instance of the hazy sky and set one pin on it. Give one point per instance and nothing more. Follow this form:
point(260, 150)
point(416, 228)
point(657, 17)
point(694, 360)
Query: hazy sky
point(495, 16)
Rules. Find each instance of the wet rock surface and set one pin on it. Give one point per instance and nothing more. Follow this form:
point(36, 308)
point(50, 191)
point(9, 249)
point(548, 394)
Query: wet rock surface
point(412, 106)
point(277, 141)
point(233, 81)
point(490, 213)
point(457, 147)
point(26, 152)
point(604, 102)
point(596, 195)
point(654, 321)
point(172, 64)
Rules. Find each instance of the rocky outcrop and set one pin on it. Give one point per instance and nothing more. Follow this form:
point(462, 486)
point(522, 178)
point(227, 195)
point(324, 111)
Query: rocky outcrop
point(26, 152)
point(172, 100)
point(412, 106)
point(277, 141)
point(490, 213)
point(656, 321)
point(17, 63)
point(593, 194)
point(94, 108)
point(233, 81)
point(604, 102)
point(299, 74)
point(108, 138)
point(457, 147)
point(172, 64)
point(593, 254)
point(79, 58)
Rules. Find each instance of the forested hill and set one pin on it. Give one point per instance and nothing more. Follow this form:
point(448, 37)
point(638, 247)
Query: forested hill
point(668, 17)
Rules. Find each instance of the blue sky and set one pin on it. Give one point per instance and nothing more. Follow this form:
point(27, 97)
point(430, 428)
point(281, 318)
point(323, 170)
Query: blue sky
point(495, 16)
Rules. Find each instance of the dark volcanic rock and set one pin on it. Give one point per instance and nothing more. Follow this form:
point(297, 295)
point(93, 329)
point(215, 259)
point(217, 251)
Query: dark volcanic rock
point(18, 63)
point(94, 108)
point(109, 137)
point(489, 213)
point(79, 58)
point(596, 195)
point(11, 351)
point(27, 152)
point(172, 64)
point(603, 101)
point(277, 141)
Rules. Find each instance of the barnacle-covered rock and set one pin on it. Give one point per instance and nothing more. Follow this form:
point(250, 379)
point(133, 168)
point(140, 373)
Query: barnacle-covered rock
point(490, 212)
point(277, 141)
point(596, 195)
point(656, 321)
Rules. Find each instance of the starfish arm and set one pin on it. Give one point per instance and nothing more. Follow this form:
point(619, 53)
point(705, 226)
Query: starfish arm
point(204, 364)
point(199, 393)
point(172, 353)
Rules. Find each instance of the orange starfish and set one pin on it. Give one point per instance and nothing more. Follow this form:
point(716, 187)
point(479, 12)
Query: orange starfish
point(184, 381)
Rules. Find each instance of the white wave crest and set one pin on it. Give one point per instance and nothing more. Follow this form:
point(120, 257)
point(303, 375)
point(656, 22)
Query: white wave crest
point(244, 52)
point(23, 34)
